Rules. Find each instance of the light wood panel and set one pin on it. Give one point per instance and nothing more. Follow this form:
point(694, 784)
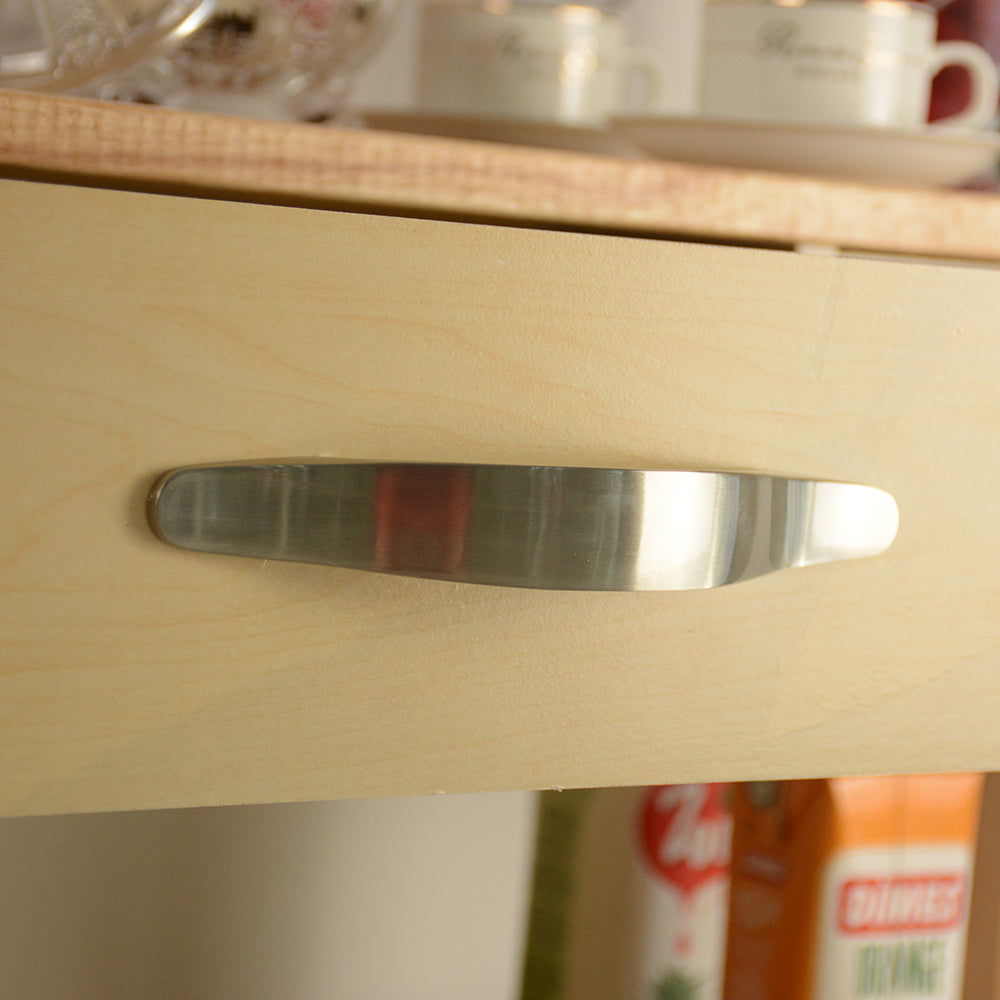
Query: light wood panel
point(267, 161)
point(140, 332)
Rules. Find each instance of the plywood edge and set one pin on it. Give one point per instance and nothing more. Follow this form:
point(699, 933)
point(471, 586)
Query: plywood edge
point(145, 147)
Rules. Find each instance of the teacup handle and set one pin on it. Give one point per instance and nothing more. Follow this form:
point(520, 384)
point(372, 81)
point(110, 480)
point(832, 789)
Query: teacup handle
point(650, 67)
point(982, 106)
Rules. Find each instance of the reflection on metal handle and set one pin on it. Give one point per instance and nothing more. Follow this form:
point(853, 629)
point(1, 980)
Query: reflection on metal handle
point(522, 526)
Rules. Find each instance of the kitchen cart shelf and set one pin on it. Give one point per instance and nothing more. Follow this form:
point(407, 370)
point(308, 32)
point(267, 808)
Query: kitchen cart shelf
point(143, 332)
point(158, 149)
point(140, 332)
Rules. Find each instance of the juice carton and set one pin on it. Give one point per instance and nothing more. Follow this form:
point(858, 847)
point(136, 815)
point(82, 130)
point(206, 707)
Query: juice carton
point(851, 888)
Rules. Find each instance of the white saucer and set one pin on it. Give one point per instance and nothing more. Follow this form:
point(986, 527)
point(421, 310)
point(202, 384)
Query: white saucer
point(929, 157)
point(517, 132)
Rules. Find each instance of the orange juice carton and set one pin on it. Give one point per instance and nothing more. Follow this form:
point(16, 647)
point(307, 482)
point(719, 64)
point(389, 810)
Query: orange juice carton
point(851, 888)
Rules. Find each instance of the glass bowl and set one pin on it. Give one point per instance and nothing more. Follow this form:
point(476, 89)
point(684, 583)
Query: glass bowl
point(64, 44)
point(286, 59)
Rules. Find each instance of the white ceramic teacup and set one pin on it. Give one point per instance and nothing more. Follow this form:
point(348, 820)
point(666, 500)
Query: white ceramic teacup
point(566, 64)
point(834, 62)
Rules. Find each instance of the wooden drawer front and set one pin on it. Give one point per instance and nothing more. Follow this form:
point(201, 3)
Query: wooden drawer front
point(141, 332)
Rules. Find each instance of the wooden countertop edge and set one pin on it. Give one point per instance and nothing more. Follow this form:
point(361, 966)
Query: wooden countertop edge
point(141, 146)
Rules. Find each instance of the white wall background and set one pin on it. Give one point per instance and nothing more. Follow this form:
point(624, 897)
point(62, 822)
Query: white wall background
point(393, 899)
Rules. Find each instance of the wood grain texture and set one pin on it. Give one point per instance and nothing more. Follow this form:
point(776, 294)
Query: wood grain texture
point(141, 332)
point(273, 161)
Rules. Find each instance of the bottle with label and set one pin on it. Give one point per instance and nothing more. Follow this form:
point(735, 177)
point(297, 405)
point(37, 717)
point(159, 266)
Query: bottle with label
point(644, 896)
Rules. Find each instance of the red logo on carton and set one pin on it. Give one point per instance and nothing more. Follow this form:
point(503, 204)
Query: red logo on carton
point(686, 834)
point(908, 903)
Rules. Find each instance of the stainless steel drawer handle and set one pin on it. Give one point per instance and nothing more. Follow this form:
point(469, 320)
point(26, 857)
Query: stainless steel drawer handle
point(522, 526)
